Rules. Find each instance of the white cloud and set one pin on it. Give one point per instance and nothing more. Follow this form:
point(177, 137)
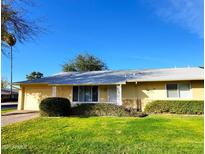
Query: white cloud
point(188, 14)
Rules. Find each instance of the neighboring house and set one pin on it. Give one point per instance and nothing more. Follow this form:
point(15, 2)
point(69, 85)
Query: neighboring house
point(130, 88)
point(6, 95)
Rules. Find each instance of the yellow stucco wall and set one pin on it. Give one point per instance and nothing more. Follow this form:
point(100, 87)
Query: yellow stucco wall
point(31, 95)
point(197, 89)
point(34, 94)
point(129, 91)
point(64, 91)
point(149, 91)
point(103, 93)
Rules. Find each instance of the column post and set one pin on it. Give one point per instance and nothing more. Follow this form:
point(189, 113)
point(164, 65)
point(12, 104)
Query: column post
point(54, 91)
point(21, 94)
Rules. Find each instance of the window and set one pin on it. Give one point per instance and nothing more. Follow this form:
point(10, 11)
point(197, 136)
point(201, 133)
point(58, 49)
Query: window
point(178, 90)
point(172, 90)
point(184, 90)
point(85, 93)
point(112, 94)
point(95, 93)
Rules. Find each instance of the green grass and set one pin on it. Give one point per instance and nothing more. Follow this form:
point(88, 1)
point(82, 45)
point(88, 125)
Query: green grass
point(157, 134)
point(7, 110)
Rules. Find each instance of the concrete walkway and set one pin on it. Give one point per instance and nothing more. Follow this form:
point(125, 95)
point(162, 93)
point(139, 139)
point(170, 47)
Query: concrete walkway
point(17, 116)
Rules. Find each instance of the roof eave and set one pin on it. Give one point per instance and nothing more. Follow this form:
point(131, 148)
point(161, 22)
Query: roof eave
point(165, 80)
point(85, 84)
point(21, 83)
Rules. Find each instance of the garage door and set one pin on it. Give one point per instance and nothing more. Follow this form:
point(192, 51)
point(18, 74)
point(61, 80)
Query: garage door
point(34, 95)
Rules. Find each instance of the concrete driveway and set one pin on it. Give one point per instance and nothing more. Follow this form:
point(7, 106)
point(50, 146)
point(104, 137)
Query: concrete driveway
point(17, 116)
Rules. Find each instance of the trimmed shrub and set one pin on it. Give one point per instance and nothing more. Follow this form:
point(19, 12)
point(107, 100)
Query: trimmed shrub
point(55, 107)
point(103, 109)
point(175, 106)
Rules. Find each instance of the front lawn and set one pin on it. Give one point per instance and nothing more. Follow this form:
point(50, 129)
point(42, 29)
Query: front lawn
point(153, 134)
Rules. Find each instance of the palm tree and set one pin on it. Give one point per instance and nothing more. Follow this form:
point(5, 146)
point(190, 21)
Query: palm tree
point(11, 41)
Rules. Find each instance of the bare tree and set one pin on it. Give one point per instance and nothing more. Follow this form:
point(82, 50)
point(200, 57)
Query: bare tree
point(14, 22)
point(4, 83)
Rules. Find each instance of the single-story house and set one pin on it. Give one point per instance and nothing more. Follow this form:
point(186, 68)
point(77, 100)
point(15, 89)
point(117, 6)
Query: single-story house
point(130, 88)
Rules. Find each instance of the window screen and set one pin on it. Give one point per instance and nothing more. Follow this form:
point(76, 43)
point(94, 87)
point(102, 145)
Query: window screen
point(87, 94)
point(172, 90)
point(81, 94)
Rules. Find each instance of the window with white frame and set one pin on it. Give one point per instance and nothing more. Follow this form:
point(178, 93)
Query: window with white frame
point(182, 90)
point(85, 93)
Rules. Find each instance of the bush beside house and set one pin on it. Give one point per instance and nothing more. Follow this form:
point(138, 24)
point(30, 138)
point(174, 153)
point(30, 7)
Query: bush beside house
point(101, 109)
point(55, 107)
point(175, 106)
point(104, 109)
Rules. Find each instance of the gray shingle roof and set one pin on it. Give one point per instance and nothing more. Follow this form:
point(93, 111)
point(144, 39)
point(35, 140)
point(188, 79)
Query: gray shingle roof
point(121, 76)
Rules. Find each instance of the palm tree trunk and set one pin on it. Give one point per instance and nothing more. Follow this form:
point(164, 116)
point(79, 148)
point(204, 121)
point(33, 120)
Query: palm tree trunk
point(11, 73)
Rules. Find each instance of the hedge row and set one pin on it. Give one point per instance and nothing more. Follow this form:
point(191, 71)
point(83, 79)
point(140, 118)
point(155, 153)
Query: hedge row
point(104, 109)
point(56, 106)
point(175, 106)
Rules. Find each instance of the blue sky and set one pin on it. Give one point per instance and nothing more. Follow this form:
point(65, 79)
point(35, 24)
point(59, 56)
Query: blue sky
point(131, 34)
